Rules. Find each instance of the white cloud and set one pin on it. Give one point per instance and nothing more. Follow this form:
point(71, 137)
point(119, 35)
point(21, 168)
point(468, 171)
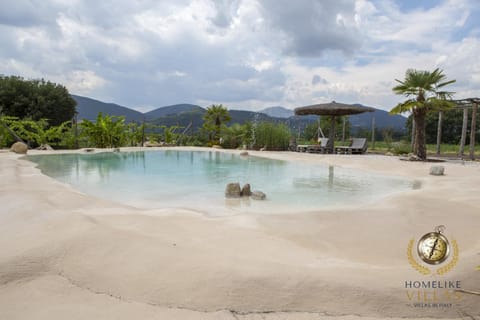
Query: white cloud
point(245, 53)
point(83, 81)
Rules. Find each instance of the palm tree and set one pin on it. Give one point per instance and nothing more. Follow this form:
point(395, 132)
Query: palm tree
point(215, 117)
point(423, 90)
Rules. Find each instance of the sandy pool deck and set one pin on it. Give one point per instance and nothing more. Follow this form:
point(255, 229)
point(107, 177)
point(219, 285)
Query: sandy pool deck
point(67, 255)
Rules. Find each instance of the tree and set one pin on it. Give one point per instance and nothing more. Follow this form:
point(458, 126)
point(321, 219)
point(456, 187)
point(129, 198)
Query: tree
point(214, 121)
point(36, 100)
point(237, 135)
point(106, 131)
point(423, 90)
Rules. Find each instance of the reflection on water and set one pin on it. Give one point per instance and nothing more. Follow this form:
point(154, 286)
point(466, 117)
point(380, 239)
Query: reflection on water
point(197, 179)
point(96, 164)
point(329, 182)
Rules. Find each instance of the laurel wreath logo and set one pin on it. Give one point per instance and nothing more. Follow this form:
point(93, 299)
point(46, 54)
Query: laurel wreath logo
point(426, 271)
point(423, 270)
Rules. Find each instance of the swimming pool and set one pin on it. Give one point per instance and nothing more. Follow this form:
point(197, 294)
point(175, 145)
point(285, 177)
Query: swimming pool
point(196, 180)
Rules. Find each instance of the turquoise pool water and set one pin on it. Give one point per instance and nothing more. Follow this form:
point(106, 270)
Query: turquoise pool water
point(197, 179)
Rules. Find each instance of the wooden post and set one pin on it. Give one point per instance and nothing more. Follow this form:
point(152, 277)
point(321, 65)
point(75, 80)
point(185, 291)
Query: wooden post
point(330, 175)
point(473, 131)
point(461, 152)
point(439, 131)
point(373, 131)
point(331, 137)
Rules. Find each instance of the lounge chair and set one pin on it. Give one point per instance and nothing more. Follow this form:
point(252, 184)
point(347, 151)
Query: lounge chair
point(318, 148)
point(357, 145)
point(313, 148)
point(302, 147)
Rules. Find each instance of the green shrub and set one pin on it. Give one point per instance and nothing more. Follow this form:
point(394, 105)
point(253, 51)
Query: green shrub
point(271, 136)
point(401, 148)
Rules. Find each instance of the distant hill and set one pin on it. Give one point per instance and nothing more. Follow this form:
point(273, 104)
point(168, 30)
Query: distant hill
point(278, 112)
point(195, 117)
point(88, 108)
point(382, 120)
point(364, 120)
point(171, 110)
point(185, 114)
point(182, 119)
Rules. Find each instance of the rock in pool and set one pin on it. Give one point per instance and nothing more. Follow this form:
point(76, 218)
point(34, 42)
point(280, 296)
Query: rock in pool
point(258, 195)
point(233, 190)
point(246, 190)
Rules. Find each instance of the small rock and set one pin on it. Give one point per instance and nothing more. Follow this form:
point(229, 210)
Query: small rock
point(389, 154)
point(413, 157)
point(263, 149)
point(233, 190)
point(437, 170)
point(45, 147)
point(216, 146)
point(19, 147)
point(116, 149)
point(89, 149)
point(258, 195)
point(246, 190)
point(244, 153)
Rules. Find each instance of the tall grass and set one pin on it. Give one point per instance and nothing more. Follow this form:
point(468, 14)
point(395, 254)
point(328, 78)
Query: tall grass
point(271, 136)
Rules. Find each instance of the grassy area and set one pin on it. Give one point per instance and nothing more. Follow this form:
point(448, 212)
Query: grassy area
point(445, 149)
point(394, 147)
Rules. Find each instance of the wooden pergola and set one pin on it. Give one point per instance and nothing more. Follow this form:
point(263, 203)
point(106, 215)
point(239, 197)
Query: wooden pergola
point(465, 104)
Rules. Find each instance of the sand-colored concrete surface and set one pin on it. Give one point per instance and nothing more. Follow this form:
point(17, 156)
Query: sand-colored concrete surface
point(64, 254)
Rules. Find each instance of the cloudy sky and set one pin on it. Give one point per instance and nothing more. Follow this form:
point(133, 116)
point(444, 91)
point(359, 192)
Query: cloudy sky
point(247, 54)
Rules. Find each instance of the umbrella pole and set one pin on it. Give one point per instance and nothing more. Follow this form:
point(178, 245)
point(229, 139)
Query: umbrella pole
point(331, 136)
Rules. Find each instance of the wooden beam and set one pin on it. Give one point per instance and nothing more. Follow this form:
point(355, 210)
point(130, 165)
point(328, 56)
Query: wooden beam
point(461, 152)
point(373, 131)
point(473, 131)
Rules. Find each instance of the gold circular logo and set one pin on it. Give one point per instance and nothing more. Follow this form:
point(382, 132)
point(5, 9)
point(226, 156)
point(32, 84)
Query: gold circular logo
point(433, 248)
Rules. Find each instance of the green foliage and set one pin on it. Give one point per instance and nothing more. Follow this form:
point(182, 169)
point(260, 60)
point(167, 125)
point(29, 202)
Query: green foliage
point(37, 132)
point(35, 100)
point(214, 121)
point(401, 147)
point(311, 132)
point(451, 129)
point(387, 134)
point(169, 134)
point(107, 131)
point(135, 133)
point(6, 138)
point(423, 89)
point(237, 135)
point(273, 136)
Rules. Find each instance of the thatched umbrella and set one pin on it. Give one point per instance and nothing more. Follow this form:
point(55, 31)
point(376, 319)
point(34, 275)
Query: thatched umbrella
point(332, 109)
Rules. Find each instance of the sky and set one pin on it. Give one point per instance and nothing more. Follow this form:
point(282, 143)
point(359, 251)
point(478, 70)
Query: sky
point(244, 54)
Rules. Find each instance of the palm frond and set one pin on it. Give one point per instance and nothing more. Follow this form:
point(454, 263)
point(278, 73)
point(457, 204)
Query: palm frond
point(404, 106)
point(438, 104)
point(443, 84)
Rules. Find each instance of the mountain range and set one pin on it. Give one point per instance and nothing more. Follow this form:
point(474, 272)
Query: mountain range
point(191, 115)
